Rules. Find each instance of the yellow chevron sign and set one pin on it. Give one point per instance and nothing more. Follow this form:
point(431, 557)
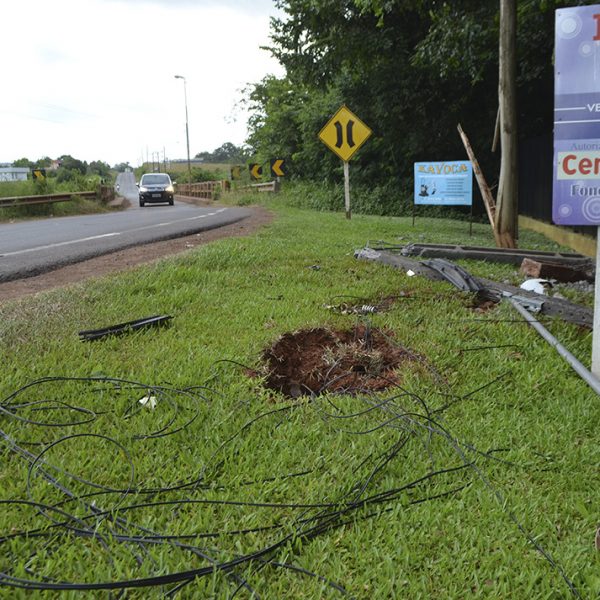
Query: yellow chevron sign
point(344, 133)
point(277, 167)
point(255, 170)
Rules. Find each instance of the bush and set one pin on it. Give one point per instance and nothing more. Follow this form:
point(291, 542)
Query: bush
point(393, 199)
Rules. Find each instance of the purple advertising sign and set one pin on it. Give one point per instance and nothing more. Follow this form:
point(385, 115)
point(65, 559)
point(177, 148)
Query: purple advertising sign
point(576, 189)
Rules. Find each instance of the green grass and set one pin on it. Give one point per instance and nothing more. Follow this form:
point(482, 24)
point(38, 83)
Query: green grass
point(512, 418)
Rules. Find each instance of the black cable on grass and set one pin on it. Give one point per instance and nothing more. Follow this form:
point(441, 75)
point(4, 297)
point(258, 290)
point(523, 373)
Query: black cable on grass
point(298, 569)
point(314, 519)
point(440, 430)
point(496, 347)
point(458, 399)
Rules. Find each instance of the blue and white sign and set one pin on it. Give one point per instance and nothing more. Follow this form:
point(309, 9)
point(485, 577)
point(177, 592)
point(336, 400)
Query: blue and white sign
point(445, 183)
point(576, 186)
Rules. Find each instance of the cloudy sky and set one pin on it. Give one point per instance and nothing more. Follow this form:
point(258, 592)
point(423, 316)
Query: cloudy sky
point(95, 78)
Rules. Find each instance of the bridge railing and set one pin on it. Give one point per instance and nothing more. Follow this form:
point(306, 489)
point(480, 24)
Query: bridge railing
point(104, 193)
point(208, 190)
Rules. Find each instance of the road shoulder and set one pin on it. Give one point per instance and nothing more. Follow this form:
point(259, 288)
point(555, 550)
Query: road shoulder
point(131, 257)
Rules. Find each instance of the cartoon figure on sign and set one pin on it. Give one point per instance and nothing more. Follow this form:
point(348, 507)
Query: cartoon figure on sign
point(427, 189)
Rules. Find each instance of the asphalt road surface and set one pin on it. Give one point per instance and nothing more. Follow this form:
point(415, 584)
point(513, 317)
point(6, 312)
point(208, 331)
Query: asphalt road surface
point(32, 247)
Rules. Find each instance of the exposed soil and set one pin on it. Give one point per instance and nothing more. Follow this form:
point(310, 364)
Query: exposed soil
point(131, 257)
point(314, 361)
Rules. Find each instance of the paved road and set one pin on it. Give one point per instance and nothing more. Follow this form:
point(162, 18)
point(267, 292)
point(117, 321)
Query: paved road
point(126, 187)
point(34, 247)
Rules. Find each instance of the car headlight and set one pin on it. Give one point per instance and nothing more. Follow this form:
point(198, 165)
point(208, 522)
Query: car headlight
point(143, 189)
point(170, 189)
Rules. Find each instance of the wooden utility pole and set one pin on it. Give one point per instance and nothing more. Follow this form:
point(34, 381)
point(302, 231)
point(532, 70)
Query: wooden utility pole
point(507, 213)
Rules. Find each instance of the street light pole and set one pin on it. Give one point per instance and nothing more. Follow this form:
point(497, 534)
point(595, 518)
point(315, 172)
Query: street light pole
point(187, 130)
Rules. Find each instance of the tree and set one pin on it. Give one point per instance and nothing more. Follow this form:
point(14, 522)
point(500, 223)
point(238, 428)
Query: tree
point(411, 70)
point(69, 163)
point(43, 162)
point(23, 162)
point(98, 167)
point(226, 153)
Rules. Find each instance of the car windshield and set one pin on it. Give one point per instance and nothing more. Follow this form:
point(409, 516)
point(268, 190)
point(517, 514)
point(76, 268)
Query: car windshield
point(155, 179)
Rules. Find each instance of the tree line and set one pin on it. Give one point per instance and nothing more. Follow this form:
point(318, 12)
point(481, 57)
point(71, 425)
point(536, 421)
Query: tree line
point(69, 168)
point(412, 70)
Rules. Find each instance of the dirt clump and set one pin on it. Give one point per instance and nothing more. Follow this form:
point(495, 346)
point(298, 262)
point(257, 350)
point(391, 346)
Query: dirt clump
point(319, 360)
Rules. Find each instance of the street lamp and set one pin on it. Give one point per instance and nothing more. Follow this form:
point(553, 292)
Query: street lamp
point(187, 131)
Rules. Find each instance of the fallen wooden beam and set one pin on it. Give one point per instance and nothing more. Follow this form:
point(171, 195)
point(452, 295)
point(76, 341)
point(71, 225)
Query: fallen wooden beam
point(553, 270)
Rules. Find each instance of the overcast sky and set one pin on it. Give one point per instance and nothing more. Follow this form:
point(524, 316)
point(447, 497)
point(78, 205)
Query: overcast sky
point(95, 78)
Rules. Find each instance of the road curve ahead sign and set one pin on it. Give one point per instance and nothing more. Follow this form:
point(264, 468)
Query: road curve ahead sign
point(278, 168)
point(344, 133)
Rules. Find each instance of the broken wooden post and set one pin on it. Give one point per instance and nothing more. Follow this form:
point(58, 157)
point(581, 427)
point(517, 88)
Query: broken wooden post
point(486, 193)
point(552, 270)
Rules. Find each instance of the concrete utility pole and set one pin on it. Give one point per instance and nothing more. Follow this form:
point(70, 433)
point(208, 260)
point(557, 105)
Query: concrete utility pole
point(187, 129)
point(507, 201)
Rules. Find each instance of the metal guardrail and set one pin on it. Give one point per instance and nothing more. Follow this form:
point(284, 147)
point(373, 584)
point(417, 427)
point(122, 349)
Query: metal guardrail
point(204, 189)
point(43, 199)
point(269, 186)
point(210, 189)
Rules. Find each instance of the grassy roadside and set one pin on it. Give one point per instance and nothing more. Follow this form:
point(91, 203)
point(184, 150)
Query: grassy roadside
point(490, 448)
point(75, 206)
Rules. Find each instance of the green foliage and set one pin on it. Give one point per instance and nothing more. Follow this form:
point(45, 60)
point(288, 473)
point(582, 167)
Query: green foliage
point(23, 162)
point(198, 174)
point(394, 199)
point(69, 163)
point(410, 70)
point(76, 183)
point(100, 168)
point(226, 153)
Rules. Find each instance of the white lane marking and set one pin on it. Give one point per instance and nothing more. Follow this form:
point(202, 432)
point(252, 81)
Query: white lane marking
point(58, 244)
point(105, 235)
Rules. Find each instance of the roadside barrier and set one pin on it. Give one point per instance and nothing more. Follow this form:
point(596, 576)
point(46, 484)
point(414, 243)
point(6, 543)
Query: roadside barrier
point(270, 186)
point(208, 190)
point(104, 193)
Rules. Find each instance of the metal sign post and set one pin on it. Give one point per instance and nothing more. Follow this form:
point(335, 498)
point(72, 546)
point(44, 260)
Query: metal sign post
point(344, 134)
point(347, 189)
point(576, 182)
point(596, 334)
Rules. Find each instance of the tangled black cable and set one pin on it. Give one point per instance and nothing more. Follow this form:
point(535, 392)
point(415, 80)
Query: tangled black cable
point(67, 506)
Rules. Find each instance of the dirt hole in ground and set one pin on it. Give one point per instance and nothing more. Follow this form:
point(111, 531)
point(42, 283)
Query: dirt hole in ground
point(315, 361)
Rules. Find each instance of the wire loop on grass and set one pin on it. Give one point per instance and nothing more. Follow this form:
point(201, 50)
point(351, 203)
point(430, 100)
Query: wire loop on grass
point(376, 483)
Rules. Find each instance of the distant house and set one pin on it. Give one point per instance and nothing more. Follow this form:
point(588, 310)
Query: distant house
point(13, 173)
